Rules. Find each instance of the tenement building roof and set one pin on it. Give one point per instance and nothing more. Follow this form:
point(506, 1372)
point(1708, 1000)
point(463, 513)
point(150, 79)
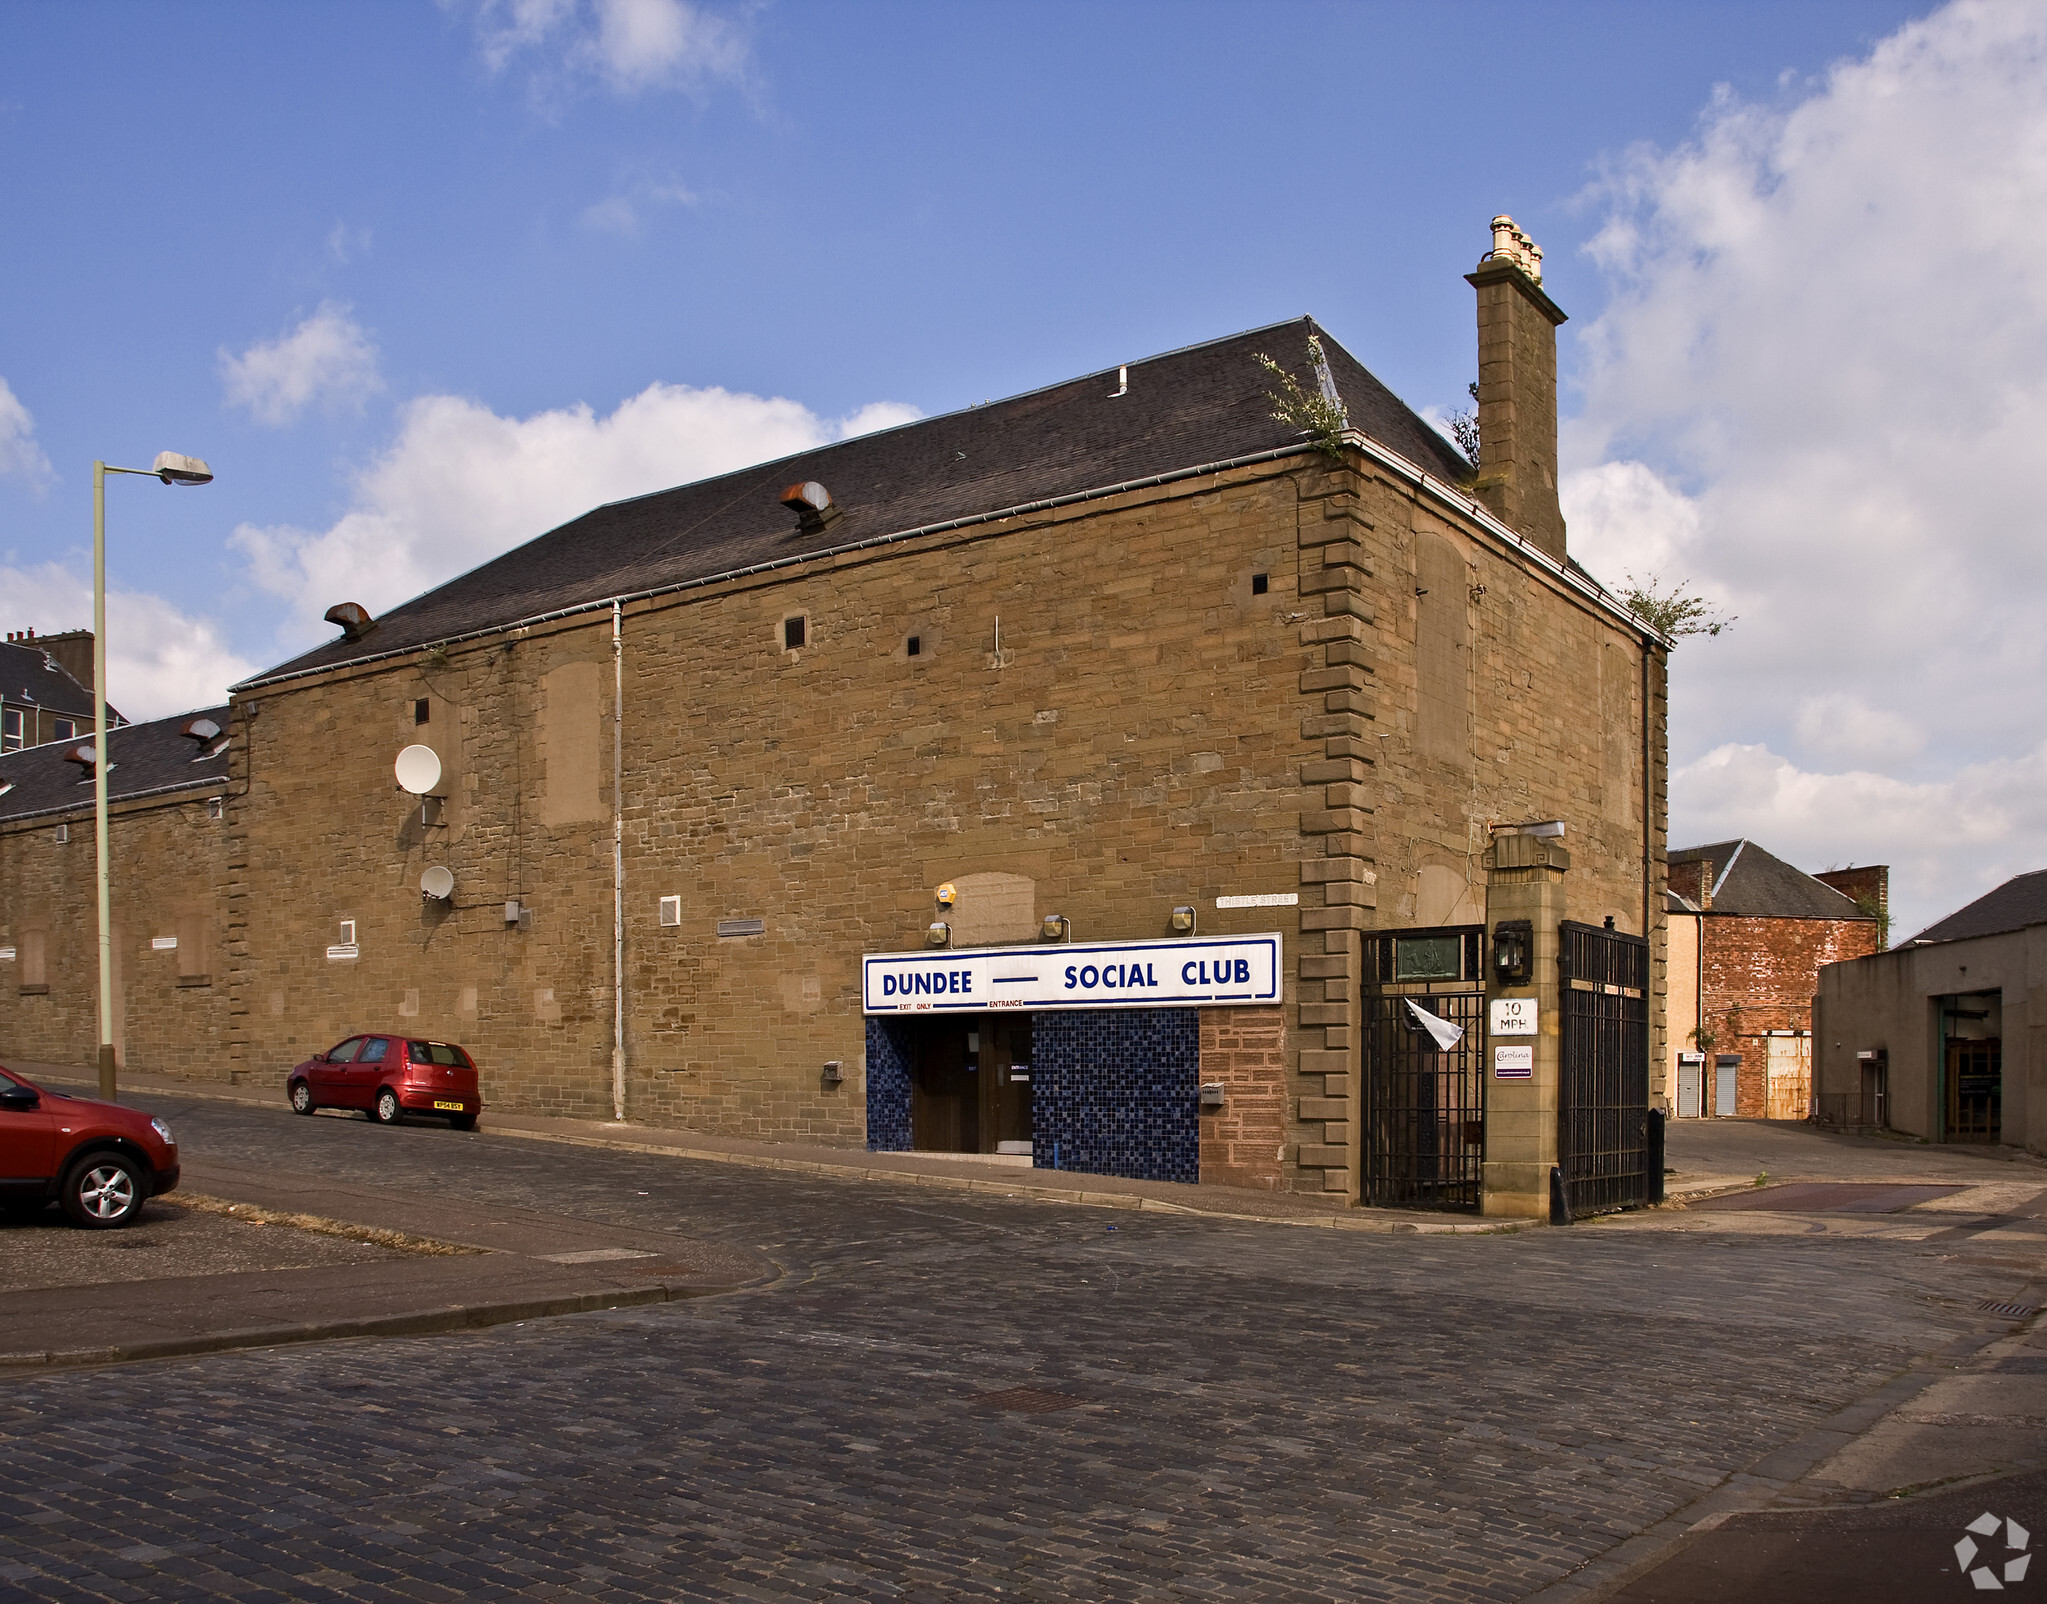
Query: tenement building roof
point(1752, 883)
point(1206, 404)
point(164, 756)
point(31, 676)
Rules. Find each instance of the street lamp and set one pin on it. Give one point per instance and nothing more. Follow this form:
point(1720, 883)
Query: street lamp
point(172, 469)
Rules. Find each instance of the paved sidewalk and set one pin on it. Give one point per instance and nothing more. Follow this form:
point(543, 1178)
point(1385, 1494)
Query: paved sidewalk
point(955, 1172)
point(521, 1264)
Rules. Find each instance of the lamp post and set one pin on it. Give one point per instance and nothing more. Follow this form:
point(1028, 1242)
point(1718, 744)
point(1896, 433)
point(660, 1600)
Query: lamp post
point(172, 469)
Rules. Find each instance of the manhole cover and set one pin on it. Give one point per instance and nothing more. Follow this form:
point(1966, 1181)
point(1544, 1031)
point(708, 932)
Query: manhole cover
point(1027, 1401)
point(1828, 1197)
point(2011, 1311)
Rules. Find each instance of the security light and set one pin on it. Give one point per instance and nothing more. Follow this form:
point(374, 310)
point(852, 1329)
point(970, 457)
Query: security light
point(939, 935)
point(1056, 927)
point(1183, 921)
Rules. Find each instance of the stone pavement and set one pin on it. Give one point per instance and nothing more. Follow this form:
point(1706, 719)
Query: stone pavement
point(965, 1394)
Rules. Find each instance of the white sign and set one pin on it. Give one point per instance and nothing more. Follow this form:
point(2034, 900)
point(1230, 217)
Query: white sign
point(1228, 971)
point(1264, 899)
point(1511, 1016)
point(1513, 1063)
point(163, 943)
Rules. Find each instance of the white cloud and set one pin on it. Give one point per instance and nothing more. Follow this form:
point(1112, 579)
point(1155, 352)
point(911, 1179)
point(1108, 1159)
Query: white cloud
point(461, 484)
point(1817, 392)
point(627, 45)
point(1947, 840)
point(160, 660)
point(623, 214)
point(345, 244)
point(327, 359)
point(20, 456)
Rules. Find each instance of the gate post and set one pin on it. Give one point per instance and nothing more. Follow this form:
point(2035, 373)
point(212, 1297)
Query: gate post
point(1524, 885)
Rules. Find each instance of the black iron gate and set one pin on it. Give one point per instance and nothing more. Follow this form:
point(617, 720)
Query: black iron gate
point(1423, 1135)
point(1603, 1098)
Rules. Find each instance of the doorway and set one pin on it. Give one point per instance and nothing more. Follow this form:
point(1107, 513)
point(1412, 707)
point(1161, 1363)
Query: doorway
point(1975, 1090)
point(970, 1084)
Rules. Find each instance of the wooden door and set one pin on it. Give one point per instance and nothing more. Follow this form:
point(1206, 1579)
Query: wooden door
point(1975, 1090)
point(945, 1089)
point(1005, 1080)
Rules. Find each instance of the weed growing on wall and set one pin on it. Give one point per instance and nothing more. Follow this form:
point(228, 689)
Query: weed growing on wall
point(1318, 412)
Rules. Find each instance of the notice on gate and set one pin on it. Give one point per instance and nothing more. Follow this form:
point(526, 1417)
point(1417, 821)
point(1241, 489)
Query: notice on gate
point(1203, 972)
point(1511, 1016)
point(1513, 1063)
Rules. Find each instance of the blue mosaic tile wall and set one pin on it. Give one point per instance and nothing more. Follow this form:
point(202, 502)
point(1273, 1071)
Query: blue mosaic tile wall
point(888, 1086)
point(1117, 1092)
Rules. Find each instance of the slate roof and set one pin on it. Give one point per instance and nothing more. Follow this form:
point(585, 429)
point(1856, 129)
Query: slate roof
point(1749, 881)
point(1206, 403)
point(146, 757)
point(28, 674)
point(2021, 901)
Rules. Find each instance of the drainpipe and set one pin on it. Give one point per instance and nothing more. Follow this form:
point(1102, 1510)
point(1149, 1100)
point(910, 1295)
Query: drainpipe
point(617, 869)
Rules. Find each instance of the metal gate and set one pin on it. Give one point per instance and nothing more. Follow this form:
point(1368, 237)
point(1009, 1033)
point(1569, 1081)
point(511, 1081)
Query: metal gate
point(1603, 1098)
point(1423, 1136)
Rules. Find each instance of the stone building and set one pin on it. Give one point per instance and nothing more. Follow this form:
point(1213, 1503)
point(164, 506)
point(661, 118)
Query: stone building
point(167, 850)
point(1748, 937)
point(46, 689)
point(1934, 1038)
point(1120, 693)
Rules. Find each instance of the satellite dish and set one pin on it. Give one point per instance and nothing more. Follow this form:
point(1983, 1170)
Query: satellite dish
point(419, 769)
point(437, 882)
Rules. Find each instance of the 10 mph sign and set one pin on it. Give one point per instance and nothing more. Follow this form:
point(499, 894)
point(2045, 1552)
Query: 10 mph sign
point(1511, 1016)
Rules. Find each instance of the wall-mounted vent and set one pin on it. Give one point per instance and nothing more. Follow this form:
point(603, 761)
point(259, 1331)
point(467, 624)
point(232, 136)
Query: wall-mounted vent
point(353, 619)
point(741, 927)
point(671, 912)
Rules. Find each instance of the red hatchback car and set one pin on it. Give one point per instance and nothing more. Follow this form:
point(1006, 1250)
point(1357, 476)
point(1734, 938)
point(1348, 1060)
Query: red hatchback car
point(101, 1161)
point(388, 1077)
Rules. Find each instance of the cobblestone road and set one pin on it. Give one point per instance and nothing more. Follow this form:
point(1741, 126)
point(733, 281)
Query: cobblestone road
point(1263, 1412)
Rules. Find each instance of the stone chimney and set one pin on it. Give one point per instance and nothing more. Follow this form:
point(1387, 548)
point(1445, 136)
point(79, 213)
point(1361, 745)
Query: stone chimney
point(72, 650)
point(1517, 389)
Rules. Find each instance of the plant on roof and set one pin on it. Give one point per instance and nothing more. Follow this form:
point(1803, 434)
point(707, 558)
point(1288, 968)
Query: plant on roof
point(1318, 412)
point(1464, 428)
point(1672, 610)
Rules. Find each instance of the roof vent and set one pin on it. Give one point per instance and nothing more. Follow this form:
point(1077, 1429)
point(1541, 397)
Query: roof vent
point(812, 504)
point(200, 729)
point(353, 618)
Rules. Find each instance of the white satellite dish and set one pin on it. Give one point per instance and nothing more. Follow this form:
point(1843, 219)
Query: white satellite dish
point(438, 882)
point(419, 769)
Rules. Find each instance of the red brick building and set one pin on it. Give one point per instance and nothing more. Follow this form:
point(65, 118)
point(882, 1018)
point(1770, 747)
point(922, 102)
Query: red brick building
point(1756, 932)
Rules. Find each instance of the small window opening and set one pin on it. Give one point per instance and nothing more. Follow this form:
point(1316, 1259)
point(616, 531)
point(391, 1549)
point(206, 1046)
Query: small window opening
point(215, 807)
point(1258, 584)
point(792, 633)
point(66, 729)
point(914, 646)
point(421, 710)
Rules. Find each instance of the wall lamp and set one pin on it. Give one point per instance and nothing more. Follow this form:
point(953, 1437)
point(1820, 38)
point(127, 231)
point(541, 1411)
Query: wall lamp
point(1183, 921)
point(834, 1072)
point(938, 935)
point(1056, 927)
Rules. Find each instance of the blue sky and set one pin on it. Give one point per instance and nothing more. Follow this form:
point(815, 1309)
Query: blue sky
point(369, 260)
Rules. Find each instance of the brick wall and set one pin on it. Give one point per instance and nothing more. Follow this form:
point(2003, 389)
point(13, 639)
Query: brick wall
point(1760, 976)
point(1243, 1142)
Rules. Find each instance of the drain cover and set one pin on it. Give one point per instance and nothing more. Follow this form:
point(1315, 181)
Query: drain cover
point(2011, 1311)
point(1828, 1197)
point(1027, 1401)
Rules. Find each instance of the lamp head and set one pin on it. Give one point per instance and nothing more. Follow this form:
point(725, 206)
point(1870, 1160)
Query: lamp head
point(174, 468)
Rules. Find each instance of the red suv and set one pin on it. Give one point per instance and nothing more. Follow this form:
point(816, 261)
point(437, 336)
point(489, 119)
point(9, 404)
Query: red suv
point(387, 1077)
point(101, 1161)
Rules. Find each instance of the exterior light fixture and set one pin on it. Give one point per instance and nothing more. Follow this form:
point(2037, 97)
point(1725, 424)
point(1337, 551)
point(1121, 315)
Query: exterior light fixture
point(1056, 927)
point(1183, 921)
point(173, 468)
point(939, 935)
point(1512, 941)
point(834, 1072)
point(948, 894)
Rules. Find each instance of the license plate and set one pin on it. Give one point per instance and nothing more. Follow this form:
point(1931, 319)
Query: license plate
point(457, 1107)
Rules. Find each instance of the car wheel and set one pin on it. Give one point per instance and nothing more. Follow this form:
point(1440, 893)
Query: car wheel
point(103, 1190)
point(301, 1097)
point(462, 1122)
point(387, 1110)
